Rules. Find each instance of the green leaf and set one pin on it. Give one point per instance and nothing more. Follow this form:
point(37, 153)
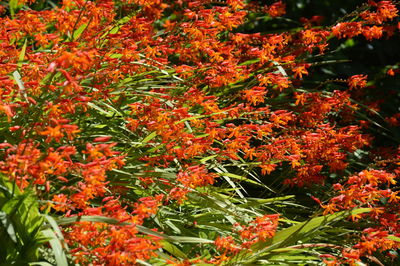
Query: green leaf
point(101, 110)
point(13, 4)
point(89, 218)
point(179, 239)
point(149, 137)
point(280, 68)
point(188, 239)
point(40, 263)
point(173, 250)
point(394, 238)
point(8, 225)
point(241, 178)
point(57, 248)
point(22, 223)
point(205, 159)
point(297, 232)
point(18, 80)
point(258, 202)
point(143, 263)
point(293, 234)
point(173, 226)
point(224, 173)
point(119, 24)
point(22, 55)
point(78, 32)
point(56, 229)
point(249, 62)
point(286, 258)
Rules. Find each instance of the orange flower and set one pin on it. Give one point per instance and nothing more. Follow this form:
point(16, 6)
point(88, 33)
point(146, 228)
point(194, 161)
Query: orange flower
point(60, 202)
point(277, 9)
point(357, 81)
point(267, 168)
point(373, 32)
point(299, 71)
point(347, 29)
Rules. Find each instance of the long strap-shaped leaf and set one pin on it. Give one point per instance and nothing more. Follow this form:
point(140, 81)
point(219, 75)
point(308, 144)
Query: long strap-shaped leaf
point(140, 228)
point(291, 235)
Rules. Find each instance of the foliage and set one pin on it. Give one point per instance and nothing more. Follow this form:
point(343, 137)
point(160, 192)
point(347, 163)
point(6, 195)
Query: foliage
point(23, 231)
point(188, 132)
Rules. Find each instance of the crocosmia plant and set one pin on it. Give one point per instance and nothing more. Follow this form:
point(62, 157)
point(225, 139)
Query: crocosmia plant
point(213, 132)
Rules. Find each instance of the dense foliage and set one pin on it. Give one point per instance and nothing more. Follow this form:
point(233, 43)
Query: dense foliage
point(237, 132)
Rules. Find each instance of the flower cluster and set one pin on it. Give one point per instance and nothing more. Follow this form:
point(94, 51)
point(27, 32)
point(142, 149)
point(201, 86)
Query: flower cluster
point(121, 109)
point(259, 230)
